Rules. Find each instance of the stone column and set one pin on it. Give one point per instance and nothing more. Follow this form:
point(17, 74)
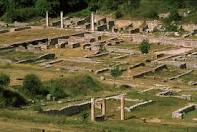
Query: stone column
point(104, 107)
point(92, 109)
point(62, 19)
point(92, 22)
point(47, 19)
point(122, 111)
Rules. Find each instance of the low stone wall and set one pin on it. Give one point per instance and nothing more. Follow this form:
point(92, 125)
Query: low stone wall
point(181, 65)
point(136, 65)
point(154, 70)
point(3, 31)
point(178, 76)
point(180, 112)
point(45, 56)
point(142, 74)
point(138, 38)
point(129, 109)
point(121, 57)
point(101, 70)
point(70, 110)
point(97, 55)
point(21, 28)
point(159, 68)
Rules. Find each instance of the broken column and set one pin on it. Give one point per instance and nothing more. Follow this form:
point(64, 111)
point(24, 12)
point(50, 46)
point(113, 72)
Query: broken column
point(122, 112)
point(47, 19)
point(92, 22)
point(104, 107)
point(92, 109)
point(62, 19)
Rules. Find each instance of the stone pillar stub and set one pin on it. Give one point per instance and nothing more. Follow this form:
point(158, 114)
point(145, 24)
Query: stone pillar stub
point(104, 107)
point(47, 19)
point(92, 109)
point(92, 22)
point(122, 111)
point(62, 19)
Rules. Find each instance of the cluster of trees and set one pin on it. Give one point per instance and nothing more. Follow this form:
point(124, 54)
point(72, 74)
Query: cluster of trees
point(21, 10)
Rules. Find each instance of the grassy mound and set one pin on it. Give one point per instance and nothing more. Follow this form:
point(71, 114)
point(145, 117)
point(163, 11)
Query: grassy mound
point(73, 86)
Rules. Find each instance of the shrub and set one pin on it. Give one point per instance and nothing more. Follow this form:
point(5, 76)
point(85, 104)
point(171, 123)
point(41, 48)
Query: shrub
point(56, 89)
point(144, 47)
point(11, 98)
point(42, 6)
point(84, 116)
point(116, 72)
point(4, 80)
point(33, 84)
point(118, 14)
point(21, 14)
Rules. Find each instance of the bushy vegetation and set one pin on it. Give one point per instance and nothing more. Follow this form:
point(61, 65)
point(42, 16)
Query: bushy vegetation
point(9, 97)
point(4, 80)
point(144, 47)
point(20, 10)
point(115, 73)
point(33, 85)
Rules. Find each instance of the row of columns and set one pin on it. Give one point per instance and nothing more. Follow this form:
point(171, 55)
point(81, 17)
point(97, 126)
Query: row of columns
point(61, 19)
point(122, 105)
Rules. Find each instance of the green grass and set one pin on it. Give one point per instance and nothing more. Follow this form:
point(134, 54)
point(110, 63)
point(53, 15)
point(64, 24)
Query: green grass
point(17, 55)
point(83, 13)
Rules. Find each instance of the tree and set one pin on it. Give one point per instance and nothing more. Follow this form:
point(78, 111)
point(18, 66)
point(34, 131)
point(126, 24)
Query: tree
point(42, 6)
point(144, 47)
point(33, 84)
point(4, 80)
point(115, 73)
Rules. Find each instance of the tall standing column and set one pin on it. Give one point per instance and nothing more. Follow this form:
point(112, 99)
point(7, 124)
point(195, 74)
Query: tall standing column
point(92, 109)
point(92, 22)
point(62, 19)
point(122, 111)
point(47, 19)
point(104, 107)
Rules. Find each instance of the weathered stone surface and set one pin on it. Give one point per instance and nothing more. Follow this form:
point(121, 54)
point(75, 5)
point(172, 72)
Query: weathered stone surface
point(136, 65)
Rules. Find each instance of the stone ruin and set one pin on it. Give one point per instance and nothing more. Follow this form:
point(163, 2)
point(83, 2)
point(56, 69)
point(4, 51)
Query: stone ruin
point(182, 111)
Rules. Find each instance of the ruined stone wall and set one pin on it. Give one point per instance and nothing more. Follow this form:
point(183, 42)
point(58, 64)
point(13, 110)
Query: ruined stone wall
point(138, 38)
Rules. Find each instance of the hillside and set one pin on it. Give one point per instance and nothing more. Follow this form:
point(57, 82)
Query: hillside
point(19, 10)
